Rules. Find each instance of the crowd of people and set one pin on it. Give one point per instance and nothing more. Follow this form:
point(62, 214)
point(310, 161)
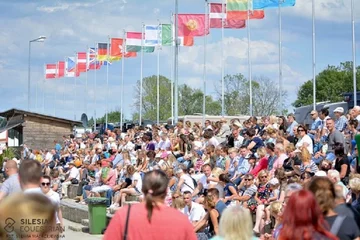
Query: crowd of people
point(271, 178)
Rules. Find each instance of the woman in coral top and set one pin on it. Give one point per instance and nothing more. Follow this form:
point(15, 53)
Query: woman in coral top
point(151, 219)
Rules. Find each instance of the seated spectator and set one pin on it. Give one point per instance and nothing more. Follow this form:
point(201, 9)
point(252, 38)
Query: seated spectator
point(262, 164)
point(74, 178)
point(108, 180)
point(194, 211)
point(229, 188)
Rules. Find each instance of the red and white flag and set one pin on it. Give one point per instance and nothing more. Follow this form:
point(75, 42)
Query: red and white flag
point(81, 62)
point(61, 69)
point(216, 14)
point(50, 71)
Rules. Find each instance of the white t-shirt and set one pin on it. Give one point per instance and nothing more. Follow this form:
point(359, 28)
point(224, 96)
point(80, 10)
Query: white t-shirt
point(188, 184)
point(204, 183)
point(48, 156)
point(306, 139)
point(137, 177)
point(213, 141)
point(196, 213)
point(75, 173)
point(55, 199)
point(164, 145)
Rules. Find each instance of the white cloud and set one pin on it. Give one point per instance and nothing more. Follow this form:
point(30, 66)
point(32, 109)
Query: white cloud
point(235, 53)
point(67, 6)
point(328, 10)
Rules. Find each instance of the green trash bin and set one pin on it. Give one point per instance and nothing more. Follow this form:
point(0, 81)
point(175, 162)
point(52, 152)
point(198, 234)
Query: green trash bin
point(97, 214)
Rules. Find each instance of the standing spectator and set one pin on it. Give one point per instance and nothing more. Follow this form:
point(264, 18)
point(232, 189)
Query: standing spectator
point(150, 220)
point(11, 184)
point(306, 225)
point(343, 227)
point(30, 176)
point(235, 223)
point(54, 197)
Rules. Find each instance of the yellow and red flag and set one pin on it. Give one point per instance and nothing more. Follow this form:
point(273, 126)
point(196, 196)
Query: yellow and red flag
point(192, 25)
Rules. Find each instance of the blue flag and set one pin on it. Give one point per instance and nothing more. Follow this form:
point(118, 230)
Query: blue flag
point(261, 4)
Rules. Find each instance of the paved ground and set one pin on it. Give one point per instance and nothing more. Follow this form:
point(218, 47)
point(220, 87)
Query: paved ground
point(71, 235)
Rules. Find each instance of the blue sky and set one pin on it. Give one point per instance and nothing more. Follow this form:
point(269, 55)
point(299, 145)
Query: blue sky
point(71, 26)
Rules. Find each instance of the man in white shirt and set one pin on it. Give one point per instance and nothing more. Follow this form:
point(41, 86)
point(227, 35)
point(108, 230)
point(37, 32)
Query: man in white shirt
point(74, 174)
point(194, 211)
point(164, 143)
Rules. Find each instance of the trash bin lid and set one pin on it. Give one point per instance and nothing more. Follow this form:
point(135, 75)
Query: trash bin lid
point(96, 200)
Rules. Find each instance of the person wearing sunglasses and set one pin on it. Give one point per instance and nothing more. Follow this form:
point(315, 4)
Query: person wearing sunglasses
point(247, 191)
point(305, 140)
point(54, 198)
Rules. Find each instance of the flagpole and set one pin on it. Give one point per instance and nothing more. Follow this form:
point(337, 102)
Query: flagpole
point(55, 97)
point(141, 74)
point(96, 60)
point(280, 58)
point(249, 61)
point(86, 78)
point(222, 59)
point(314, 54)
point(107, 83)
point(123, 52)
point(172, 70)
point(204, 71)
point(176, 67)
point(354, 51)
point(44, 80)
point(158, 77)
point(75, 95)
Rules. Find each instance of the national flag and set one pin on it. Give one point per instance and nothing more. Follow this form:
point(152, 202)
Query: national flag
point(81, 62)
point(70, 68)
point(217, 14)
point(92, 62)
point(60, 69)
point(134, 41)
point(185, 41)
point(239, 10)
point(260, 4)
point(152, 36)
point(102, 51)
point(50, 71)
point(192, 25)
point(116, 50)
point(167, 32)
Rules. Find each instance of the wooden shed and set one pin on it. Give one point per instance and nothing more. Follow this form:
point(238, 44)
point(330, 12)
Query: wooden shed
point(36, 130)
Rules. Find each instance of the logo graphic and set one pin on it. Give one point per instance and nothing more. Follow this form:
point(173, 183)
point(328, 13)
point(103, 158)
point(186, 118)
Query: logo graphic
point(9, 227)
point(192, 25)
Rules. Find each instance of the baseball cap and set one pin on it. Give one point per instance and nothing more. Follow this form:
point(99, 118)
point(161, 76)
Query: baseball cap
point(339, 110)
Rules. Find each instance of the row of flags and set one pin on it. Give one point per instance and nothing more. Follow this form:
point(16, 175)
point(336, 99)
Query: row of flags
point(233, 16)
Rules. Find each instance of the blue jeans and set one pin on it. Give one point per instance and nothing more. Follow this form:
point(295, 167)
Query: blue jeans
point(109, 194)
point(86, 188)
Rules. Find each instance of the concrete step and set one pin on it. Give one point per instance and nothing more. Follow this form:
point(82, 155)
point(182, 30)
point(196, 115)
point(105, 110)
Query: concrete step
point(85, 222)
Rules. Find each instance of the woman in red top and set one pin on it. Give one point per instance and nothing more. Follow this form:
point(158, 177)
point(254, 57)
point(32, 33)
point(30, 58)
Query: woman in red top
point(152, 219)
point(303, 219)
point(263, 162)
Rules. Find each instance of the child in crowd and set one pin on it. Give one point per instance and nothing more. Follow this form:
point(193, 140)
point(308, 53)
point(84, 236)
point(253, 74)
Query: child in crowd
point(273, 196)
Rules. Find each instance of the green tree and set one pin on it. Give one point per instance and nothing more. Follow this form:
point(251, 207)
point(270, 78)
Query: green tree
point(149, 102)
point(190, 100)
point(331, 83)
point(237, 95)
point(113, 117)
